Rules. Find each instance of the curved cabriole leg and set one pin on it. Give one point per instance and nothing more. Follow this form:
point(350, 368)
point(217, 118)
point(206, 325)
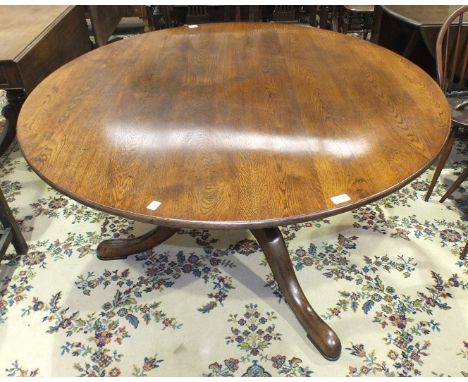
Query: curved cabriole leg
point(320, 334)
point(121, 248)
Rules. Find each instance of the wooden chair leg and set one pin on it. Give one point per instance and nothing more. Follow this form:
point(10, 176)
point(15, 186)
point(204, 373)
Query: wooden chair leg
point(464, 252)
point(147, 17)
point(337, 14)
point(443, 158)
point(455, 184)
point(8, 221)
point(345, 20)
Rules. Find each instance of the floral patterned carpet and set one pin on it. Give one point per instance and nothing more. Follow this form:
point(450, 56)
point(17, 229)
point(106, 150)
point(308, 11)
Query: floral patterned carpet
point(387, 277)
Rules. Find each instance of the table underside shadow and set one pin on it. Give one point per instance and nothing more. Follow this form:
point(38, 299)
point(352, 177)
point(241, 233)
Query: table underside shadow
point(274, 247)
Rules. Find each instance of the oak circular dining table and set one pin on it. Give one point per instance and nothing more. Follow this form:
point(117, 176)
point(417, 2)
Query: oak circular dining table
point(234, 126)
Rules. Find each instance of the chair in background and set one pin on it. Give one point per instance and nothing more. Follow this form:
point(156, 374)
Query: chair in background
point(325, 16)
point(353, 18)
point(312, 13)
point(255, 13)
point(197, 14)
point(164, 16)
point(284, 13)
point(452, 64)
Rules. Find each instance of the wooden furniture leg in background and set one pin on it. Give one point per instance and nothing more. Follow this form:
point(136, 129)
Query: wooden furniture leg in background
point(319, 333)
point(255, 13)
point(114, 249)
point(455, 184)
point(104, 20)
point(440, 165)
point(147, 16)
point(376, 24)
point(11, 231)
point(464, 252)
point(15, 98)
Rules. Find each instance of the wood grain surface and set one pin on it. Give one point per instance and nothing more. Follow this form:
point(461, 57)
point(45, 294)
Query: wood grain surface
point(233, 125)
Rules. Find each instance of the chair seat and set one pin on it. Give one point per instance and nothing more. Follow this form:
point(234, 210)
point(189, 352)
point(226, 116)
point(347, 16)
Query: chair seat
point(459, 116)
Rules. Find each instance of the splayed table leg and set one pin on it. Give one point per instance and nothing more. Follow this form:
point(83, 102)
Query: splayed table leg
point(319, 333)
point(114, 249)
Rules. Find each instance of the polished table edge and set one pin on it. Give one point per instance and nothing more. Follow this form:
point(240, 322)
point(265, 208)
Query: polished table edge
point(229, 225)
point(263, 223)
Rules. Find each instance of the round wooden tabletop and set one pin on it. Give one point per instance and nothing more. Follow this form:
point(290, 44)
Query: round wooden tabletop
point(234, 125)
